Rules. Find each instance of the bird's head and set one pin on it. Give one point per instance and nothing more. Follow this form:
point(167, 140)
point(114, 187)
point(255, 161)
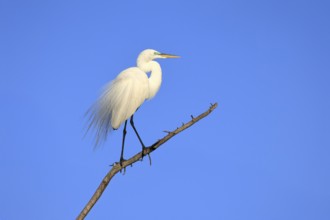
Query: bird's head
point(150, 54)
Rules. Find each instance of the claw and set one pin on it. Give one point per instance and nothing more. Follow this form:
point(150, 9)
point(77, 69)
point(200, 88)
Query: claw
point(123, 171)
point(149, 159)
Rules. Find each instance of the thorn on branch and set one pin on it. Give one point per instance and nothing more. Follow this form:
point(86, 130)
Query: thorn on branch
point(168, 132)
point(192, 117)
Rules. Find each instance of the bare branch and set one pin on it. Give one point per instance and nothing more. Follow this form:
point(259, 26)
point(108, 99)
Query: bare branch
point(137, 157)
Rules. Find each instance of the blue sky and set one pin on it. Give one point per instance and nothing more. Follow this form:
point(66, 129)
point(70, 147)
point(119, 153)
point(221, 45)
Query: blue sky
point(262, 154)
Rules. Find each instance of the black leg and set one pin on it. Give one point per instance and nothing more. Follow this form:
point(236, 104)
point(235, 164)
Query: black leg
point(137, 134)
point(122, 145)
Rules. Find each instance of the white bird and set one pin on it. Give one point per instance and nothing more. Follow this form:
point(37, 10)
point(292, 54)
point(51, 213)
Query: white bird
point(125, 94)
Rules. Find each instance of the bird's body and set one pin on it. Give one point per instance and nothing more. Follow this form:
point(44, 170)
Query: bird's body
point(126, 93)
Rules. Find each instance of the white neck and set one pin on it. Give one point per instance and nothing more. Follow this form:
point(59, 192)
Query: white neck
point(155, 78)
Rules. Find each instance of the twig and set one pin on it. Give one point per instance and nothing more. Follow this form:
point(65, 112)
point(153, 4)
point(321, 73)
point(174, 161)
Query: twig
point(117, 168)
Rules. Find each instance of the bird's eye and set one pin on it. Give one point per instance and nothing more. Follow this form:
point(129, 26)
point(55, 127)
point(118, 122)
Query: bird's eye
point(156, 53)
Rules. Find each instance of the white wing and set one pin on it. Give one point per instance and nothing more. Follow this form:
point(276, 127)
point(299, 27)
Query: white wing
point(119, 101)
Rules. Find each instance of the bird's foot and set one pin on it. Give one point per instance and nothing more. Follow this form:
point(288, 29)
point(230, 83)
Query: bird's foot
point(143, 154)
point(121, 160)
point(121, 165)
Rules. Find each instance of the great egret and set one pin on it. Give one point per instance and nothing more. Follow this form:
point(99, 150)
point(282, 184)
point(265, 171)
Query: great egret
point(125, 94)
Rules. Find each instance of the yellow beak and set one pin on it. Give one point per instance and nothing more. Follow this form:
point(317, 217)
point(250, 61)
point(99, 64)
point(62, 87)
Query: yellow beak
point(165, 55)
